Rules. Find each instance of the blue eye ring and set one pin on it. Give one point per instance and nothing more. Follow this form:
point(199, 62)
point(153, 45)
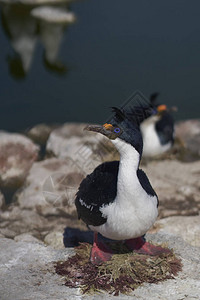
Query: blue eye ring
point(154, 111)
point(117, 130)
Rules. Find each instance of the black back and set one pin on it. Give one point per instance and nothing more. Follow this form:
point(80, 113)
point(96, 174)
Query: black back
point(100, 188)
point(165, 128)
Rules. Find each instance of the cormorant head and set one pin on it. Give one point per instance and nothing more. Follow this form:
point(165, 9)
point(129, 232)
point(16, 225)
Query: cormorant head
point(159, 109)
point(123, 125)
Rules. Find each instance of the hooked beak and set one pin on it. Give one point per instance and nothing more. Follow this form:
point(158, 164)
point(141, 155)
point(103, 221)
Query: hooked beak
point(106, 129)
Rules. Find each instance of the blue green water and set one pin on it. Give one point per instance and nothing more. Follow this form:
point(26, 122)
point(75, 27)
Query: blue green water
point(115, 48)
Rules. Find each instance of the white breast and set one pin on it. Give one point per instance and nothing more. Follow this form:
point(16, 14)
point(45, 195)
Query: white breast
point(151, 142)
point(133, 211)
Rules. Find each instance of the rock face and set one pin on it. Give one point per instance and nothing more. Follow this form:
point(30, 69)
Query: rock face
point(27, 272)
point(17, 154)
point(15, 221)
point(54, 239)
point(177, 185)
point(186, 227)
point(28, 267)
point(46, 202)
point(25, 237)
point(39, 134)
point(51, 183)
point(189, 134)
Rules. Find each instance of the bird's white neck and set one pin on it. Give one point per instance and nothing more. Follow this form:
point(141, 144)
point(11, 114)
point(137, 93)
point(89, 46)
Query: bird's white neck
point(128, 154)
point(128, 182)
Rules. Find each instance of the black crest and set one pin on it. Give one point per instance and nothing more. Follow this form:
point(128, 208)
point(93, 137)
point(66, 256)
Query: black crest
point(119, 114)
point(153, 98)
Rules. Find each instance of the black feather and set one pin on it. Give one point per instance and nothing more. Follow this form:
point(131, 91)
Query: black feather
point(144, 181)
point(153, 98)
point(138, 113)
point(97, 189)
point(119, 114)
point(165, 128)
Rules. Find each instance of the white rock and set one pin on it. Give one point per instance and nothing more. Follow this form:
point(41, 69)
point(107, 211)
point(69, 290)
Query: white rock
point(189, 134)
point(177, 185)
point(26, 237)
point(186, 227)
point(17, 154)
point(51, 183)
point(27, 272)
point(86, 149)
point(54, 239)
point(16, 221)
point(39, 133)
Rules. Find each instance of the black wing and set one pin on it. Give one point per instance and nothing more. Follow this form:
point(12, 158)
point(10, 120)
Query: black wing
point(97, 189)
point(144, 181)
point(165, 128)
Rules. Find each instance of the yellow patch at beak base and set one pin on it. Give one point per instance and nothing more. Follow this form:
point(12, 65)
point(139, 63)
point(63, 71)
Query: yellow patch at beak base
point(161, 108)
point(108, 126)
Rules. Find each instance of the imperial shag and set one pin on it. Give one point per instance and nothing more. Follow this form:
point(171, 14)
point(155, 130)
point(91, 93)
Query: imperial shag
point(117, 199)
point(157, 130)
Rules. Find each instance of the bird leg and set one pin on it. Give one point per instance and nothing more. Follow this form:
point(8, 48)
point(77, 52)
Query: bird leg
point(100, 252)
point(139, 245)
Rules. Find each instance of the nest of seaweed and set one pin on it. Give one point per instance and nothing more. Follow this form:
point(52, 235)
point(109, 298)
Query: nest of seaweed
point(122, 274)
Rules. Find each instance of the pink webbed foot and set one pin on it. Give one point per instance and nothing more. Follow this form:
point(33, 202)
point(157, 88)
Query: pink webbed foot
point(100, 252)
point(139, 245)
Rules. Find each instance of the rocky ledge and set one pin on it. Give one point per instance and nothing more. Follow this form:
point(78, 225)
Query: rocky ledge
point(40, 172)
point(27, 272)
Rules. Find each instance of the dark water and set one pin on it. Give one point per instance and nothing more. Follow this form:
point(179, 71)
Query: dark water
point(114, 48)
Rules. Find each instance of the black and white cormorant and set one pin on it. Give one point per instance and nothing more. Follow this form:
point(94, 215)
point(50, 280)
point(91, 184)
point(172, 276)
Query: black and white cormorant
point(117, 199)
point(158, 129)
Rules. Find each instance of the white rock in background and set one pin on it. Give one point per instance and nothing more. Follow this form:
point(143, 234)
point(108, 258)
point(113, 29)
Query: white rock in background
point(86, 149)
point(189, 133)
point(39, 134)
point(177, 185)
point(186, 227)
point(51, 183)
point(54, 239)
point(16, 221)
point(17, 154)
point(26, 237)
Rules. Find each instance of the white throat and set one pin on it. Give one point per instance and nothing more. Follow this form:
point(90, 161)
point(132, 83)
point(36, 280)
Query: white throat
point(128, 182)
point(128, 154)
